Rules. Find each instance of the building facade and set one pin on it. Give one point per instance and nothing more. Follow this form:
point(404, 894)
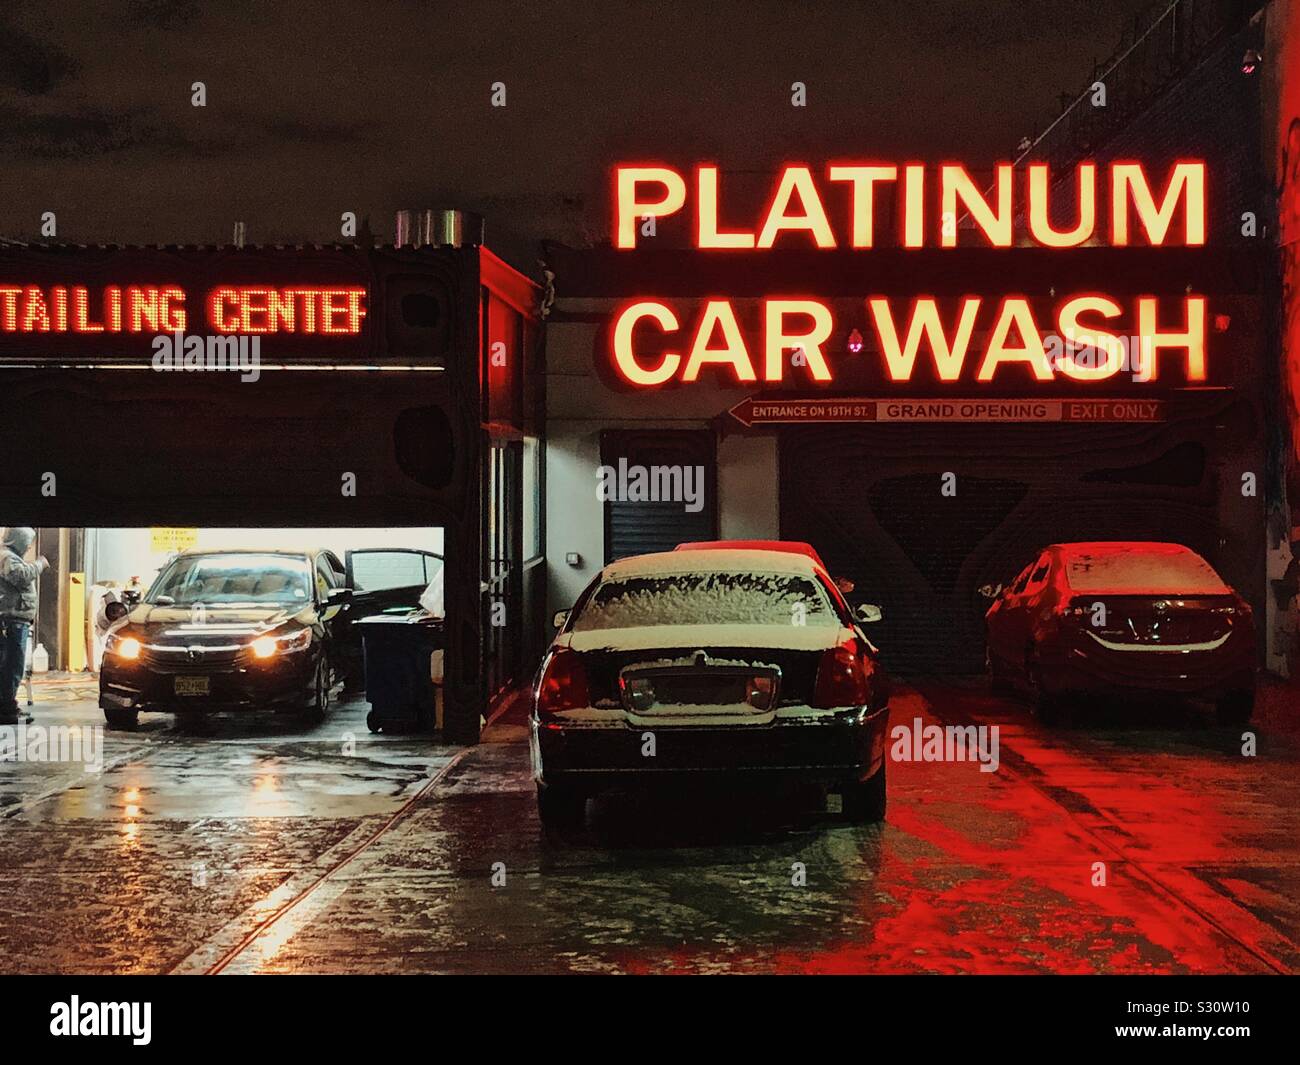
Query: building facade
point(392, 387)
point(923, 491)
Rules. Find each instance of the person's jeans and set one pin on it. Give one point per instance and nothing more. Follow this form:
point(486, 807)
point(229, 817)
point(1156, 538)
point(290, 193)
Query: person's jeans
point(13, 660)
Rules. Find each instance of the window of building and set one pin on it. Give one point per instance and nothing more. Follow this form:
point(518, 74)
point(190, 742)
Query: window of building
point(532, 498)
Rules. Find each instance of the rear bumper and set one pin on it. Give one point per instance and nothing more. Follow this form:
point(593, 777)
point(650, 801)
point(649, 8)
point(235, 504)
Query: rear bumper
point(289, 682)
point(1207, 675)
point(591, 759)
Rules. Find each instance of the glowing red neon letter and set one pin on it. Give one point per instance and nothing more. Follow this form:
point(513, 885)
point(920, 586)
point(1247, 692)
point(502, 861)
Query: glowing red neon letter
point(1186, 183)
point(1040, 224)
point(924, 321)
point(1192, 339)
point(1015, 311)
point(778, 341)
point(629, 210)
point(863, 179)
point(1085, 336)
point(955, 184)
point(797, 179)
point(707, 235)
point(625, 358)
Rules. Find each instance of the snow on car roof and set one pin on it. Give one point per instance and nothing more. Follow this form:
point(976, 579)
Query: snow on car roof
point(794, 547)
point(650, 637)
point(1139, 568)
point(710, 560)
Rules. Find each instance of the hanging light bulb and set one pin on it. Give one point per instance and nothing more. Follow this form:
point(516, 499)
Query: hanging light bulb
point(855, 342)
point(1251, 61)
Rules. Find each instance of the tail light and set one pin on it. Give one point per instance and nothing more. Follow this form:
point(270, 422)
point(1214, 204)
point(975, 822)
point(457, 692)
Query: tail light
point(563, 684)
point(843, 678)
point(1074, 608)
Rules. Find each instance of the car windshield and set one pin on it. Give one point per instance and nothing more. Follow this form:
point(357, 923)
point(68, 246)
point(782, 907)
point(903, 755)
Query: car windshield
point(707, 599)
point(213, 579)
point(1143, 569)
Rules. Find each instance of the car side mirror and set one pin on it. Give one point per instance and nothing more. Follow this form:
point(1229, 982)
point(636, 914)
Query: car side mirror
point(115, 611)
point(868, 613)
point(338, 597)
point(559, 618)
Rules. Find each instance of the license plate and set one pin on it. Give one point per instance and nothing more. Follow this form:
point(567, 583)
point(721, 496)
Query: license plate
point(723, 688)
point(191, 685)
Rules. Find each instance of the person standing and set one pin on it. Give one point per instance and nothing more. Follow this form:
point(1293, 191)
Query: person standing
point(17, 612)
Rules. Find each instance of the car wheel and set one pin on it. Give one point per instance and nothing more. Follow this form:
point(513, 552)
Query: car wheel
point(999, 683)
point(1049, 707)
point(559, 806)
point(864, 801)
point(122, 720)
point(1235, 708)
point(315, 710)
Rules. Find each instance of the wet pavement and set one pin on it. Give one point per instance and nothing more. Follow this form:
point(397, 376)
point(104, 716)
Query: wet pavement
point(1139, 840)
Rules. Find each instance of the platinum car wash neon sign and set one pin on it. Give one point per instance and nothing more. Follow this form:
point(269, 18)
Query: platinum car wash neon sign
point(156, 309)
point(972, 338)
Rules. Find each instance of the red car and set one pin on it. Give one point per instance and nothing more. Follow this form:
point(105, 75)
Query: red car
point(1122, 618)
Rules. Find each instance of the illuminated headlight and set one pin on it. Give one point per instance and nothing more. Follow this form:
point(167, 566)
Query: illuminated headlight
point(270, 646)
point(127, 647)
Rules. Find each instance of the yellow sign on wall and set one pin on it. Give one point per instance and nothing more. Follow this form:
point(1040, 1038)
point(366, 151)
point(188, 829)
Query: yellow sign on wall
point(76, 622)
point(164, 539)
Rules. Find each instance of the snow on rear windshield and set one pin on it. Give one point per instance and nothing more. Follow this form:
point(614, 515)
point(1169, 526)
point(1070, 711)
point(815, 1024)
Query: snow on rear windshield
point(1150, 571)
point(707, 599)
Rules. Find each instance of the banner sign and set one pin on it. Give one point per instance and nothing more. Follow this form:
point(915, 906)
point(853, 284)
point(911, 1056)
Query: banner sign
point(759, 411)
point(87, 306)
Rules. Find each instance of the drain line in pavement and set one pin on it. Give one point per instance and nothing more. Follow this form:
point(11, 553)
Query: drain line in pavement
point(265, 926)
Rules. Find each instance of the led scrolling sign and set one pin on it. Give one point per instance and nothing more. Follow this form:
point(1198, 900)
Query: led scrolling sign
point(973, 340)
point(157, 309)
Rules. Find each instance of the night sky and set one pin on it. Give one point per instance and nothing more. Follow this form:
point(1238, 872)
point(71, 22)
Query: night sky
point(321, 107)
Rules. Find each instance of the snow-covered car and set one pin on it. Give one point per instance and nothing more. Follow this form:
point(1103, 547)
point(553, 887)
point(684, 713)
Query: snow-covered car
point(1122, 618)
point(697, 664)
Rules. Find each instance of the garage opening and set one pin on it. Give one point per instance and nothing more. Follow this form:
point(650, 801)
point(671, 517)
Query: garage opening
point(219, 620)
point(871, 500)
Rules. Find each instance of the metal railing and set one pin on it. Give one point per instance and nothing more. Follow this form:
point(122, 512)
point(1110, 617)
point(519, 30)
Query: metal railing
point(1162, 45)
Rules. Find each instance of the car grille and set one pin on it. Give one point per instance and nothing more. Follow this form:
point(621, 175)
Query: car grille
point(189, 659)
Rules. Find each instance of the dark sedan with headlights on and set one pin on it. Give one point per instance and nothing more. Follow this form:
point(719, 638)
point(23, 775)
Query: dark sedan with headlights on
point(227, 630)
point(709, 665)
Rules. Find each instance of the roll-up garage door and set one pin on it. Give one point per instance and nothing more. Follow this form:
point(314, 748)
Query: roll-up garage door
point(636, 526)
point(870, 499)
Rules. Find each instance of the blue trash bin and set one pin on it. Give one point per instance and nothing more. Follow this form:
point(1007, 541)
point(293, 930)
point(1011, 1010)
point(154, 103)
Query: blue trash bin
point(396, 650)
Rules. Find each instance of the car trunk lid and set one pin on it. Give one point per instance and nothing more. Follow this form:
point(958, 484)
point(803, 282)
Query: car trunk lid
point(700, 684)
point(727, 680)
point(1158, 622)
